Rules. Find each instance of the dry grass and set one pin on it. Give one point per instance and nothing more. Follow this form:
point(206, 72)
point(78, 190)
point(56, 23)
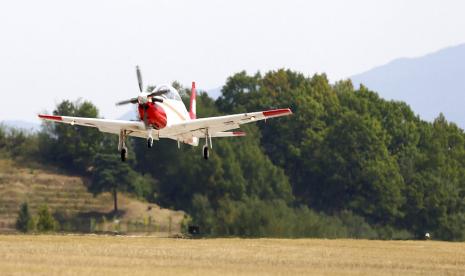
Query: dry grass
point(120, 255)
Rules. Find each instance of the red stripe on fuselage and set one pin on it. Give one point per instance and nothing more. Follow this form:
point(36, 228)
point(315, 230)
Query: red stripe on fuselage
point(51, 117)
point(277, 112)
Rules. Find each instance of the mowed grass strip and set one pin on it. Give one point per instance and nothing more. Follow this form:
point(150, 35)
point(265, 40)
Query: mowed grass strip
point(124, 255)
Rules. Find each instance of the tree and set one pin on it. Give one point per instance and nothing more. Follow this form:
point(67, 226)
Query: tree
point(110, 174)
point(346, 163)
point(45, 221)
point(24, 222)
point(71, 147)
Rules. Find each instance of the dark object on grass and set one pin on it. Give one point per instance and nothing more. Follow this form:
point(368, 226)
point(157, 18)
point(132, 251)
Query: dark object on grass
point(193, 229)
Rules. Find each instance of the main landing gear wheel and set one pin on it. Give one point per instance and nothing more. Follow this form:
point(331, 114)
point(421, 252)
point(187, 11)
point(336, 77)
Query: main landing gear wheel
point(150, 142)
point(205, 152)
point(124, 154)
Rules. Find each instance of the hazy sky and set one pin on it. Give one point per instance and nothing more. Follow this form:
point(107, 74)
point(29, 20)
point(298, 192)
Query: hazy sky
point(54, 50)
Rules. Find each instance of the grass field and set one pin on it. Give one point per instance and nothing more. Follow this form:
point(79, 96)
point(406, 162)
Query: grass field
point(124, 255)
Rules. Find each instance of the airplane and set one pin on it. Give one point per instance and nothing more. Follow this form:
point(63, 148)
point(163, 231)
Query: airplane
point(162, 114)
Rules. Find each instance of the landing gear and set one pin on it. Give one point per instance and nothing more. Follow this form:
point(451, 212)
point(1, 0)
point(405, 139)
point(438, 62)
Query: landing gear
point(150, 138)
point(205, 152)
point(124, 154)
point(122, 145)
point(208, 142)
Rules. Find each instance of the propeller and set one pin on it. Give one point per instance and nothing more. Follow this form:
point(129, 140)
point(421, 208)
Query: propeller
point(143, 97)
point(158, 93)
point(133, 101)
point(139, 78)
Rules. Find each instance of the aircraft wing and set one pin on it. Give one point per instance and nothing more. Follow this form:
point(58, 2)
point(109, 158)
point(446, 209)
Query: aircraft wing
point(218, 125)
point(104, 125)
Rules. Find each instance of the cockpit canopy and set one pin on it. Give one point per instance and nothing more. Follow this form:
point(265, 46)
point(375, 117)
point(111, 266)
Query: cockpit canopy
point(172, 94)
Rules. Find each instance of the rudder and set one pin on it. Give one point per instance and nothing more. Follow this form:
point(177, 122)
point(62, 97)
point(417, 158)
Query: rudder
point(192, 108)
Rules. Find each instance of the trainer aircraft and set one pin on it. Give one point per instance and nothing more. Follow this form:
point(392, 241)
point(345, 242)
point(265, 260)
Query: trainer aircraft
point(162, 114)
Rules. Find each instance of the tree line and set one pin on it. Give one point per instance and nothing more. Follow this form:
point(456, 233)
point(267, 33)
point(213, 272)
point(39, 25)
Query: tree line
point(346, 164)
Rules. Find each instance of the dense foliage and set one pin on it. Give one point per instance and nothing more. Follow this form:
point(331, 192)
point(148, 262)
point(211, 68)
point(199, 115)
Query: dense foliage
point(346, 164)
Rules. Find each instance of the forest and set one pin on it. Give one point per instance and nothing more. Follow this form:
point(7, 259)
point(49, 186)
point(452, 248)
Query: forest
point(347, 163)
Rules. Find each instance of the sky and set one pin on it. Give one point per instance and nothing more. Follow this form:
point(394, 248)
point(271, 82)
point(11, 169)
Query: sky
point(55, 50)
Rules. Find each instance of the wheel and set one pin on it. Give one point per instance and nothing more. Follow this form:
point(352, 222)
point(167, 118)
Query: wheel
point(206, 153)
point(124, 154)
point(149, 142)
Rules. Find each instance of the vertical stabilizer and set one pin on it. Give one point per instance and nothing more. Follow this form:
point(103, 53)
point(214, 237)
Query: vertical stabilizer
point(192, 109)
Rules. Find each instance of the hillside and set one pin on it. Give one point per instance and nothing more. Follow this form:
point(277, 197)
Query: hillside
point(430, 84)
point(68, 197)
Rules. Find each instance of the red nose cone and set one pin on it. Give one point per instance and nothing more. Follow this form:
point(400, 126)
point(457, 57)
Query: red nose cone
point(154, 115)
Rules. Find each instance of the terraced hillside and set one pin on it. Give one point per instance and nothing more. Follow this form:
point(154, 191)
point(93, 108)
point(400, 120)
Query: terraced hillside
point(68, 198)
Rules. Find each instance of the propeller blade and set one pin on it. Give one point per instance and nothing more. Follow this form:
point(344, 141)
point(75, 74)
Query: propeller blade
point(139, 78)
point(132, 101)
point(159, 93)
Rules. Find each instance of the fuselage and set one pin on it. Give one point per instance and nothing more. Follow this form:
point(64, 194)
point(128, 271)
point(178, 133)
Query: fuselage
point(159, 115)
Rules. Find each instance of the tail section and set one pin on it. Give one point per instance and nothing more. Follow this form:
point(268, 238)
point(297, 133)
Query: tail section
point(192, 109)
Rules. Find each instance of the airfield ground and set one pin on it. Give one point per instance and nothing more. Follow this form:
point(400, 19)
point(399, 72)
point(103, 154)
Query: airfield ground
point(124, 255)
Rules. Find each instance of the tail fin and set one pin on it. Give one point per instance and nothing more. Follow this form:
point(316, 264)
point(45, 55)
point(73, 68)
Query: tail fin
point(192, 109)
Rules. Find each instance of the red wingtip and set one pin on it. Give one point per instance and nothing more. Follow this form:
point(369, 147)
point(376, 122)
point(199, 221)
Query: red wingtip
point(239, 133)
point(277, 112)
point(50, 117)
point(193, 84)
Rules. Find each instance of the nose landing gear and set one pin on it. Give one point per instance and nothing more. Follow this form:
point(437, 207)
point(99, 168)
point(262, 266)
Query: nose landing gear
point(150, 138)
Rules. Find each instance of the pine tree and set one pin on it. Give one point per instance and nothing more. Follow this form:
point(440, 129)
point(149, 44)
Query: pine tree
point(24, 223)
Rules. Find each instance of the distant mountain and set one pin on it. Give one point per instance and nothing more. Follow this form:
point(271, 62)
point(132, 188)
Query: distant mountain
point(430, 84)
point(24, 125)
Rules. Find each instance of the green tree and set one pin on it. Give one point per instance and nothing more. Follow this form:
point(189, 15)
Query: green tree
point(24, 222)
point(45, 220)
point(110, 174)
point(72, 147)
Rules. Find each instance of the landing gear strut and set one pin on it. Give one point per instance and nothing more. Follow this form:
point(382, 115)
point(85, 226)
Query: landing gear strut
point(122, 145)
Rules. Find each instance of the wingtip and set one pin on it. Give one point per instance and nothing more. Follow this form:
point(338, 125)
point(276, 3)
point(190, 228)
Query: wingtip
point(239, 133)
point(50, 117)
point(277, 112)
